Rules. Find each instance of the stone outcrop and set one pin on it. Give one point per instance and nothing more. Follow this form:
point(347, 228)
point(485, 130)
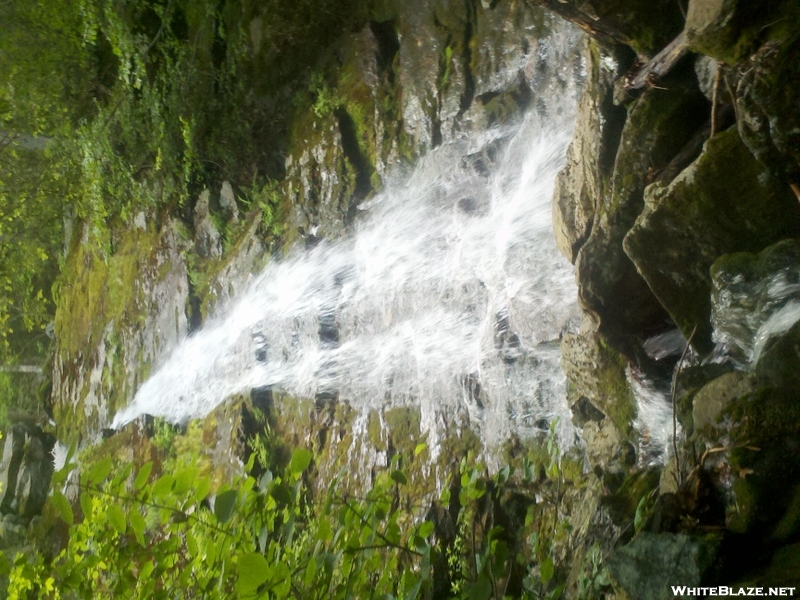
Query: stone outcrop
point(691, 181)
point(724, 202)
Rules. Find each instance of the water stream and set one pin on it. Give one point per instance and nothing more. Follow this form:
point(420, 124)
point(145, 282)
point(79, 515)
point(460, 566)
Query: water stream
point(450, 294)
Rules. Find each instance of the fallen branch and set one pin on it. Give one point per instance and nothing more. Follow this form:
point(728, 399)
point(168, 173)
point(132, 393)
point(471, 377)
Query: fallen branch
point(675, 404)
point(661, 64)
point(590, 23)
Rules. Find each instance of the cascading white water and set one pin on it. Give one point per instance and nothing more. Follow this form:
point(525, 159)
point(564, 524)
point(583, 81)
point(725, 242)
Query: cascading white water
point(449, 294)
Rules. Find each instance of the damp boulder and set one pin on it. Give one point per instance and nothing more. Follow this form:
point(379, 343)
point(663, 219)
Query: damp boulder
point(646, 567)
point(658, 126)
point(726, 201)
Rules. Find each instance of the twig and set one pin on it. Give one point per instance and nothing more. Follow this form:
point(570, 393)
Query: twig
point(715, 99)
point(796, 190)
point(675, 402)
point(733, 98)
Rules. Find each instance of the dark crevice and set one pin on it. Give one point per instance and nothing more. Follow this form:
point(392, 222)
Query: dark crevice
point(194, 316)
point(178, 24)
point(352, 150)
point(388, 46)
point(436, 131)
point(219, 47)
point(469, 79)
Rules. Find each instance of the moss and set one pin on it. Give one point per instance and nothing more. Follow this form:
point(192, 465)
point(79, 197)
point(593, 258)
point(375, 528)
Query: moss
point(375, 431)
point(680, 234)
point(622, 504)
point(764, 431)
point(619, 403)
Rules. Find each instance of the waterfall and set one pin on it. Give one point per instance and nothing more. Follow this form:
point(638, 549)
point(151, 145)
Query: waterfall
point(449, 294)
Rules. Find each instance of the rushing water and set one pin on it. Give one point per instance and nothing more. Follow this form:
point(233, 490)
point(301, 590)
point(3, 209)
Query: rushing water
point(450, 294)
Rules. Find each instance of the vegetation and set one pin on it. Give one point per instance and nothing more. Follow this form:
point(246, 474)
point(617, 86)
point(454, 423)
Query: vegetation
point(266, 535)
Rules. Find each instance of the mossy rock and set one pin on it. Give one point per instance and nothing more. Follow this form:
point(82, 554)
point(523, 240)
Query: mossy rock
point(659, 124)
point(724, 202)
point(714, 397)
point(647, 566)
point(767, 97)
point(765, 433)
point(622, 504)
point(582, 182)
point(730, 30)
point(596, 371)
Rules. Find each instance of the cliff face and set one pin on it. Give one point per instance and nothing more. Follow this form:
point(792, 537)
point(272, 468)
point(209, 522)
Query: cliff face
point(676, 204)
point(408, 77)
point(681, 187)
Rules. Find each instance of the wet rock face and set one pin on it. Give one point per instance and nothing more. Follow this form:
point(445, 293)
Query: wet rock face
point(28, 469)
point(724, 202)
point(421, 74)
point(648, 566)
point(659, 123)
point(756, 301)
point(644, 26)
point(684, 228)
point(582, 183)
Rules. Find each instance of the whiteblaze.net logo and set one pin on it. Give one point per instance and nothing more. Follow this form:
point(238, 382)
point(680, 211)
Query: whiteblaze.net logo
point(722, 590)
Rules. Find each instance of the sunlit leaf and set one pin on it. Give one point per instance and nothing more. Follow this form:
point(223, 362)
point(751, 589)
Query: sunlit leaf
point(253, 571)
point(138, 524)
point(224, 505)
point(546, 570)
point(425, 529)
point(163, 485)
point(142, 476)
point(117, 518)
point(301, 458)
point(63, 506)
point(100, 471)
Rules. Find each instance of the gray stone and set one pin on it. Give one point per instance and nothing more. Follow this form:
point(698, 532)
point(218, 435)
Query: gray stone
point(658, 126)
point(227, 202)
point(652, 562)
point(706, 69)
point(710, 26)
point(207, 239)
point(580, 184)
point(715, 396)
point(723, 202)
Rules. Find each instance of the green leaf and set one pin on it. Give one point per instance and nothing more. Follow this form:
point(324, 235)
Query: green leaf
point(311, 571)
point(86, 505)
point(481, 589)
point(184, 480)
point(163, 485)
point(224, 504)
point(282, 494)
point(202, 488)
point(546, 570)
point(301, 458)
point(147, 570)
point(100, 471)
point(138, 524)
point(425, 529)
point(420, 448)
point(253, 571)
point(117, 518)
point(142, 476)
point(399, 477)
point(64, 509)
